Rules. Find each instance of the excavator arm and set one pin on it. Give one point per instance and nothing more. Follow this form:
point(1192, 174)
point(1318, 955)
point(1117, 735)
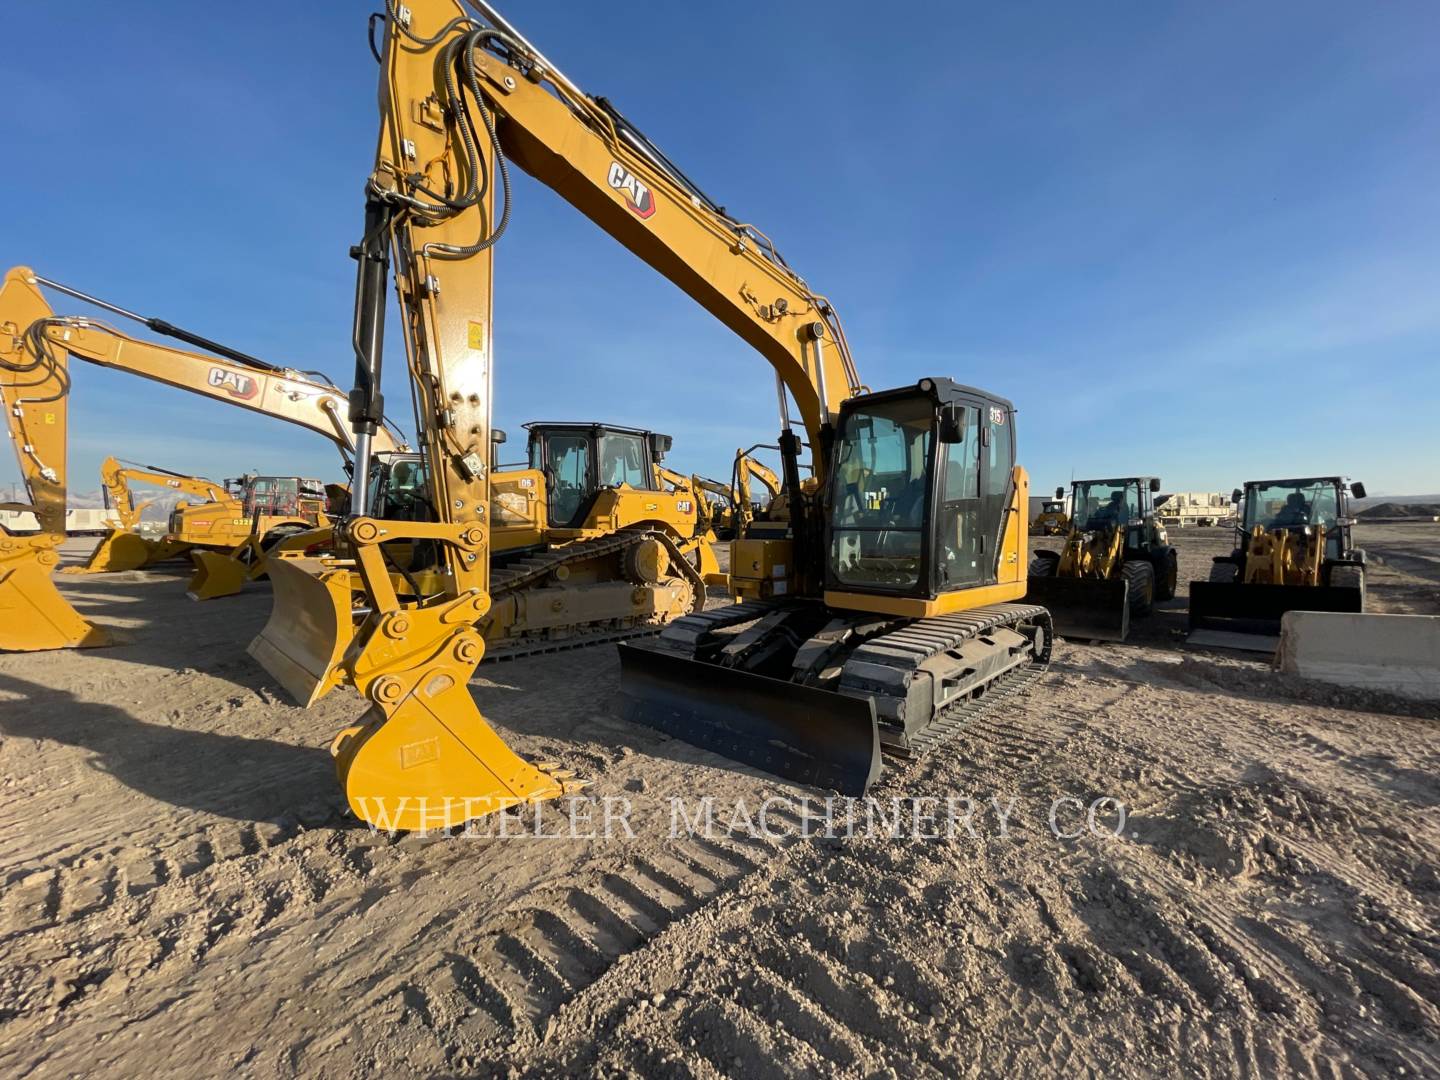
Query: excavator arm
point(36, 346)
point(461, 96)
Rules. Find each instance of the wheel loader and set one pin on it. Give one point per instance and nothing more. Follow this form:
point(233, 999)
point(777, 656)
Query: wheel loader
point(36, 346)
point(1116, 562)
point(592, 542)
point(1294, 552)
point(1052, 519)
point(904, 555)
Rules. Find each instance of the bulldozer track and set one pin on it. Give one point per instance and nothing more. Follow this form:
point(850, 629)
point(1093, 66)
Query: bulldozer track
point(528, 571)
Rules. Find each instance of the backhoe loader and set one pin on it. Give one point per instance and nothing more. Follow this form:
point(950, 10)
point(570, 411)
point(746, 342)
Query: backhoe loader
point(594, 541)
point(1293, 552)
point(897, 623)
point(36, 346)
point(123, 548)
point(1116, 561)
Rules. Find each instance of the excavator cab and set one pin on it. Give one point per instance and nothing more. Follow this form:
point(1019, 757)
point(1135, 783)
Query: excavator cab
point(917, 544)
point(919, 491)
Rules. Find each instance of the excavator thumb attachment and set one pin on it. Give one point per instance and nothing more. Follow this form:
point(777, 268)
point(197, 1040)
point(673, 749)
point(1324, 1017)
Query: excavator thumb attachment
point(813, 736)
point(33, 615)
point(1239, 616)
point(120, 550)
point(217, 573)
point(311, 625)
point(1084, 608)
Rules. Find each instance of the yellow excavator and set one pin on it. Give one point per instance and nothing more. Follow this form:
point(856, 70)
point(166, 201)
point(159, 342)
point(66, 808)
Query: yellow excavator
point(36, 346)
point(594, 540)
point(897, 623)
point(123, 548)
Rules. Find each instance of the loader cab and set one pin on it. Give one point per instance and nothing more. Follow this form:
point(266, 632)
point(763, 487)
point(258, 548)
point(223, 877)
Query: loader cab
point(1126, 503)
point(920, 491)
point(1301, 505)
point(579, 460)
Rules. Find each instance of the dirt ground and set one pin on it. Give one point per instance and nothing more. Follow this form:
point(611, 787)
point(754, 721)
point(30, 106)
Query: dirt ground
point(183, 896)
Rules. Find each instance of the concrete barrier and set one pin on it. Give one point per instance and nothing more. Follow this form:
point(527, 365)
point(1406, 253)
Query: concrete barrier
point(1398, 654)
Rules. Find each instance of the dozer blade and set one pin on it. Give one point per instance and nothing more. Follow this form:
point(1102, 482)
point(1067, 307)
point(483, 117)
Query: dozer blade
point(816, 737)
point(433, 762)
point(1083, 607)
point(1238, 616)
point(119, 550)
point(216, 574)
point(309, 629)
point(33, 615)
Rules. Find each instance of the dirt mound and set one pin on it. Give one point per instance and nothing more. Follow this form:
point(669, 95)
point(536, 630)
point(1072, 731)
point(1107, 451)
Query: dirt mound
point(1401, 510)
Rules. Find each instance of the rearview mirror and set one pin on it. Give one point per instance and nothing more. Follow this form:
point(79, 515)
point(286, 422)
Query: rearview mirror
point(952, 424)
point(1357, 489)
point(1236, 495)
point(660, 446)
point(1060, 493)
point(1154, 483)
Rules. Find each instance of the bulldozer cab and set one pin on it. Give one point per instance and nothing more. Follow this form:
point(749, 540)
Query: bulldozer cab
point(920, 490)
point(579, 460)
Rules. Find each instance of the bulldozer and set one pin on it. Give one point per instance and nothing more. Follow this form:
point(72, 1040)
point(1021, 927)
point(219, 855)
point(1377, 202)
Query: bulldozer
point(1294, 551)
point(591, 542)
point(123, 547)
point(36, 346)
point(904, 553)
point(1115, 564)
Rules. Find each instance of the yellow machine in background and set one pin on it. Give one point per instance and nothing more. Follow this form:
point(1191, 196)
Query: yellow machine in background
point(123, 548)
point(593, 541)
point(1052, 519)
point(36, 346)
point(907, 547)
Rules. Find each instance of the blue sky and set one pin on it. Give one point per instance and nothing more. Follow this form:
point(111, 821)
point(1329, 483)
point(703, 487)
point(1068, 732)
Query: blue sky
point(1194, 239)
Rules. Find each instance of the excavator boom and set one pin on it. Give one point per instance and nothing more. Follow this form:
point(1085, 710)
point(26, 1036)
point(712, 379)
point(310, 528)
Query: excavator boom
point(36, 346)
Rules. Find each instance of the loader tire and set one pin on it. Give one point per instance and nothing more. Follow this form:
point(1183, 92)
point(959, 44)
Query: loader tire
point(1224, 573)
point(1141, 576)
point(1168, 578)
point(1349, 577)
point(1044, 564)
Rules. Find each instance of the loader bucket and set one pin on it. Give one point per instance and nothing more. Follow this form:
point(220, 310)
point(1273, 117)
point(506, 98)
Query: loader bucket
point(309, 629)
point(33, 615)
point(813, 736)
point(216, 574)
point(121, 549)
point(1084, 607)
point(433, 762)
point(1238, 616)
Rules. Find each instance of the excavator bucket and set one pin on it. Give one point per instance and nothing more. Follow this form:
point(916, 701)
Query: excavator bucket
point(431, 762)
point(1084, 608)
point(217, 573)
point(120, 550)
point(311, 625)
point(33, 615)
point(813, 736)
point(1239, 616)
